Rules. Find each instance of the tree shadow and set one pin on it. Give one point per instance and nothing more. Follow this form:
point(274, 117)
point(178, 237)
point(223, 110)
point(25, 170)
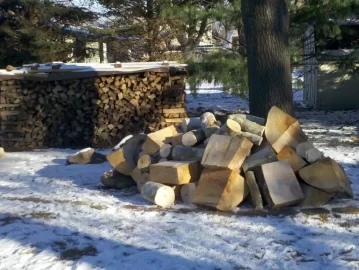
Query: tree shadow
point(70, 246)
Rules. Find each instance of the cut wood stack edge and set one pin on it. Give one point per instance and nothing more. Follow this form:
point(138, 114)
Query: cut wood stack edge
point(210, 164)
point(75, 105)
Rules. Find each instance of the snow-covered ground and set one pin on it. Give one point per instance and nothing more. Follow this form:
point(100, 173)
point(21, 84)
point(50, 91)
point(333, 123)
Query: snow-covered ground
point(54, 216)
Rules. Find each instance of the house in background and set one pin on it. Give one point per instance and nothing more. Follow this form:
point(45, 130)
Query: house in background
point(326, 84)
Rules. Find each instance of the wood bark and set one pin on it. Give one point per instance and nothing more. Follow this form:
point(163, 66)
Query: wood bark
point(193, 137)
point(183, 153)
point(266, 28)
point(158, 194)
point(266, 155)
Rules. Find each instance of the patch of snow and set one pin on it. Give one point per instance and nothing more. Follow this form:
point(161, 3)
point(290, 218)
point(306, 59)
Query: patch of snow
point(54, 216)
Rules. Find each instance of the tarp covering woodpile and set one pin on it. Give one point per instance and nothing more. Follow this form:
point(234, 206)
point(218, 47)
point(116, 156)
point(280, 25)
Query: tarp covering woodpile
point(76, 105)
point(270, 162)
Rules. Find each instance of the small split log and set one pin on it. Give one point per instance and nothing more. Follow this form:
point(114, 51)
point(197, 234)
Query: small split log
point(255, 139)
point(114, 179)
point(279, 184)
point(254, 192)
point(189, 124)
point(175, 172)
point(220, 189)
point(266, 155)
point(2, 152)
point(155, 140)
point(188, 191)
point(314, 197)
point(85, 156)
point(177, 190)
point(183, 153)
point(255, 119)
point(144, 163)
point(193, 137)
point(132, 148)
point(158, 194)
point(165, 151)
point(209, 124)
point(224, 152)
point(118, 161)
point(321, 175)
point(296, 162)
point(248, 126)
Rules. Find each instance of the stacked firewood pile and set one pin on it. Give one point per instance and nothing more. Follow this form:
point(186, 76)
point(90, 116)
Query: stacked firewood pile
point(206, 163)
point(95, 111)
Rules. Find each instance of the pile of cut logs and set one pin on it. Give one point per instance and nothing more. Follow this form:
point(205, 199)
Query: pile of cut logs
point(201, 162)
point(95, 111)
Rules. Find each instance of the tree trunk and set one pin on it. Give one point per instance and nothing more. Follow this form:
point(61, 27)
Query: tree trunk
point(266, 26)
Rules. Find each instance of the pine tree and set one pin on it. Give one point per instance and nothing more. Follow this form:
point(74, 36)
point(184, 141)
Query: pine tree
point(35, 30)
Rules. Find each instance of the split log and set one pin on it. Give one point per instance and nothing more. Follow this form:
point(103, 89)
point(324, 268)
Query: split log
point(279, 184)
point(314, 197)
point(266, 155)
point(277, 123)
point(327, 175)
point(85, 156)
point(187, 192)
point(345, 186)
point(189, 124)
point(224, 152)
point(255, 139)
point(118, 162)
point(220, 189)
point(254, 193)
point(177, 190)
point(132, 148)
point(114, 179)
point(144, 162)
point(162, 160)
point(155, 140)
point(296, 162)
point(175, 172)
point(248, 126)
point(321, 175)
point(158, 194)
point(183, 153)
point(209, 124)
point(165, 151)
point(193, 137)
point(255, 119)
point(291, 137)
point(2, 152)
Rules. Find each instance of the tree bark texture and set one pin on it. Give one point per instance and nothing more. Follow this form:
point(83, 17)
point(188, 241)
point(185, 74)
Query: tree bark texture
point(266, 26)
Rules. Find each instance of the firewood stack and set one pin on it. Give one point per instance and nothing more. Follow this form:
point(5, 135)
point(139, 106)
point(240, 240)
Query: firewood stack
point(269, 161)
point(90, 110)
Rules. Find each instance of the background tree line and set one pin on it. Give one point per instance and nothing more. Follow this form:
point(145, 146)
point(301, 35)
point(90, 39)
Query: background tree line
point(37, 30)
